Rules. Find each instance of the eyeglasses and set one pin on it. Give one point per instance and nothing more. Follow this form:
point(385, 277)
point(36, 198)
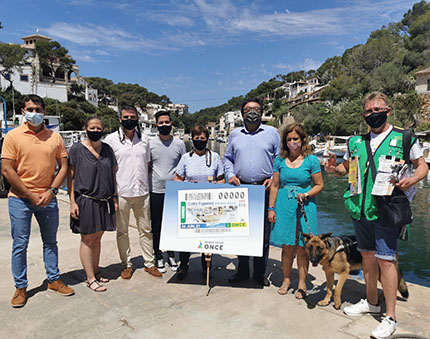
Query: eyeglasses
point(293, 139)
point(369, 111)
point(249, 109)
point(128, 117)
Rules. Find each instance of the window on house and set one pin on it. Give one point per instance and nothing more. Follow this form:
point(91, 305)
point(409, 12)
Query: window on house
point(7, 76)
point(24, 77)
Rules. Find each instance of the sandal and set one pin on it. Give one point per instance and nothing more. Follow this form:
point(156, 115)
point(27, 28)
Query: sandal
point(98, 288)
point(100, 278)
point(301, 294)
point(284, 289)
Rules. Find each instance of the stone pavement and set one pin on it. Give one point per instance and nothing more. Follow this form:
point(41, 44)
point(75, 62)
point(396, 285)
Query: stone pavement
point(146, 307)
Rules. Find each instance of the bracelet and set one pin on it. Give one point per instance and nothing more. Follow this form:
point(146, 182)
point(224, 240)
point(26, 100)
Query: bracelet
point(271, 208)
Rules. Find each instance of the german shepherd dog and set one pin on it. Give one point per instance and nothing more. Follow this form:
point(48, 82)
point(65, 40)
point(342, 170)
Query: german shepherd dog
point(339, 255)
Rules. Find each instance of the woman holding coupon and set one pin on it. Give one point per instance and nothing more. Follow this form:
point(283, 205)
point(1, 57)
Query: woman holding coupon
point(199, 165)
point(293, 172)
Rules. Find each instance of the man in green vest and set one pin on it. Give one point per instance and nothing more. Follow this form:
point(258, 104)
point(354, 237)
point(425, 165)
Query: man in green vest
point(376, 242)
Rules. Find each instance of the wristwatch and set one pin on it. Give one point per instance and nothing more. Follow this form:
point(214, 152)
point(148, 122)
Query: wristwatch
point(54, 191)
point(306, 196)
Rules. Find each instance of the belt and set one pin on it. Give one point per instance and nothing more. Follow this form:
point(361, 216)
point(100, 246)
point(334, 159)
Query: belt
point(99, 199)
point(260, 182)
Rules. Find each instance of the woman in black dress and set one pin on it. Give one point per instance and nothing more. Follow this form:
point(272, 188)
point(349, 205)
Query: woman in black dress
point(93, 198)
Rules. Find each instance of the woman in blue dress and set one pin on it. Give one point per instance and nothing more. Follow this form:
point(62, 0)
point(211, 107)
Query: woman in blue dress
point(293, 172)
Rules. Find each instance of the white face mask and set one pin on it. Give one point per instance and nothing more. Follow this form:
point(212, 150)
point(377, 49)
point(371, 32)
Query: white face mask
point(34, 118)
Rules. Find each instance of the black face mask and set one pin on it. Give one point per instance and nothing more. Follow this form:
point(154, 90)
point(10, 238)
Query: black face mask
point(253, 117)
point(129, 124)
point(376, 119)
point(94, 135)
point(200, 145)
point(164, 129)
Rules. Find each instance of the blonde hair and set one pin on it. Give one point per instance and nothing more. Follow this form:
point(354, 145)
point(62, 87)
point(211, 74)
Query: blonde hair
point(298, 128)
point(374, 96)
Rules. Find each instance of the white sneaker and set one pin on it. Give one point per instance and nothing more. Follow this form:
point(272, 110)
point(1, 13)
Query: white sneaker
point(385, 329)
point(172, 264)
point(362, 307)
point(160, 266)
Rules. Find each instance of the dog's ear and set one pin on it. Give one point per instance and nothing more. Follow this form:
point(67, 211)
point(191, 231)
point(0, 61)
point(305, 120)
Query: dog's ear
point(325, 235)
point(307, 236)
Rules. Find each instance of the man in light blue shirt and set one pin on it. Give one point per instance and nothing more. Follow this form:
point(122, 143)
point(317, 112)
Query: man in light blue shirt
point(248, 159)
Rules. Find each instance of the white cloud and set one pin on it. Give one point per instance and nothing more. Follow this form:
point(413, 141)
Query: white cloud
point(197, 23)
point(310, 63)
point(95, 35)
point(218, 22)
point(306, 65)
point(172, 19)
point(282, 66)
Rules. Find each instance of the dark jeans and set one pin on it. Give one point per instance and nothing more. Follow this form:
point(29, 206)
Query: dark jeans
point(184, 257)
point(260, 263)
point(157, 202)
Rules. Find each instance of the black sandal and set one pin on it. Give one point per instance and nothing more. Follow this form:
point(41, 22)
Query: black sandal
point(301, 294)
point(99, 287)
point(99, 277)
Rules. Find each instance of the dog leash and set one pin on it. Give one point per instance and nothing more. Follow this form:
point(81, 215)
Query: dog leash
point(302, 209)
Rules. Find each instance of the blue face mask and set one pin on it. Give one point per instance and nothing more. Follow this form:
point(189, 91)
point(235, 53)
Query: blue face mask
point(34, 118)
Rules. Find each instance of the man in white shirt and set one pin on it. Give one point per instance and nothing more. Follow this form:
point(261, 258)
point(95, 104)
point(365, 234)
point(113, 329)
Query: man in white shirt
point(132, 153)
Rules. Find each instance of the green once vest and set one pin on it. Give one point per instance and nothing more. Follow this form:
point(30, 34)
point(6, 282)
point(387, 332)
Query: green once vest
point(365, 202)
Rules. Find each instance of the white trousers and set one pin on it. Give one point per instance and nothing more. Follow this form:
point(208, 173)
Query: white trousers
point(141, 211)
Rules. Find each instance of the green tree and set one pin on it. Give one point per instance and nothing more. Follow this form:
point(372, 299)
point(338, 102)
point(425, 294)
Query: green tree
point(415, 24)
point(12, 58)
point(71, 119)
point(51, 54)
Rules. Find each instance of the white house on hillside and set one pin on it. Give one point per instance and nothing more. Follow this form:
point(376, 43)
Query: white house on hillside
point(34, 79)
point(423, 81)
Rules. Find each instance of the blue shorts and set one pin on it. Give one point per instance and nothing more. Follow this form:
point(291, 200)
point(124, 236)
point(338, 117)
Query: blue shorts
point(372, 236)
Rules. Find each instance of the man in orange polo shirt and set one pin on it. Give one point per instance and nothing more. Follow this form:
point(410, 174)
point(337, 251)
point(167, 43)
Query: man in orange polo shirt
point(29, 157)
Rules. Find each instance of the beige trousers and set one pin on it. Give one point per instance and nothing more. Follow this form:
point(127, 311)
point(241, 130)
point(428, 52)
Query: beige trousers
point(141, 211)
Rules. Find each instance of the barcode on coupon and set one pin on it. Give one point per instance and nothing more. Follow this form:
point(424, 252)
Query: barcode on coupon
point(198, 196)
point(212, 230)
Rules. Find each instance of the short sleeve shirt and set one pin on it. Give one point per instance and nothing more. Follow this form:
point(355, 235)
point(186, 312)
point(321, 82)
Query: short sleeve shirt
point(199, 168)
point(35, 156)
point(376, 139)
point(300, 176)
point(94, 176)
point(165, 156)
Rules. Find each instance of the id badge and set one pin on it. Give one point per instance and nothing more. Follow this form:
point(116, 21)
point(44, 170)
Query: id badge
point(354, 178)
point(383, 185)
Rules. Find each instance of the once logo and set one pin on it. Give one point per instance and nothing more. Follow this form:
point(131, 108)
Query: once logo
point(216, 247)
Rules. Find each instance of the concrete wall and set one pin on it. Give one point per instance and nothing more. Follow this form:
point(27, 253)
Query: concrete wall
point(50, 90)
point(44, 89)
point(421, 85)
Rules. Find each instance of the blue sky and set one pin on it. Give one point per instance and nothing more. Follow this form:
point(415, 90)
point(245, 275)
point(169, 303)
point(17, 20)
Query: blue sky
point(199, 52)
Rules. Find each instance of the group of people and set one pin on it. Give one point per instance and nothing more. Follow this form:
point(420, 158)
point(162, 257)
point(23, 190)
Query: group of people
point(126, 171)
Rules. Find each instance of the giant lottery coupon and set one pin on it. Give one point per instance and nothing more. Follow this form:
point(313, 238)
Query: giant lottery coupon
point(213, 212)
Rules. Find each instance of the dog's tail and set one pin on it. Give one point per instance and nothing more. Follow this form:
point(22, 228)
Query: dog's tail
point(402, 287)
